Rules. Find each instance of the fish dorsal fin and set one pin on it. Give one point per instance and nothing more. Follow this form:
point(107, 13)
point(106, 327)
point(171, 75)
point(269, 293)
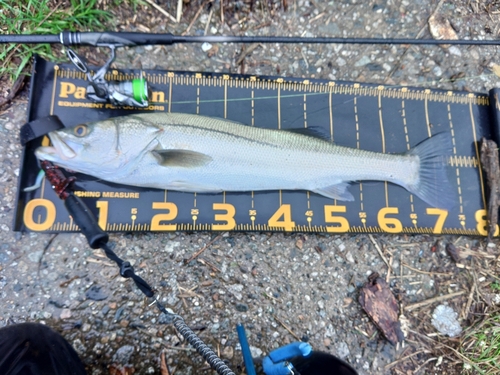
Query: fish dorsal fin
point(181, 158)
point(312, 131)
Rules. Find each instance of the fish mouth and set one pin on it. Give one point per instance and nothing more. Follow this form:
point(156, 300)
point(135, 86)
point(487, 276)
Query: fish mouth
point(59, 150)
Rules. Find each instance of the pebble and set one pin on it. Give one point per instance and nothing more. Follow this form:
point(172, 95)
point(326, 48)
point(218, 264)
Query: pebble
point(241, 307)
point(343, 350)
point(444, 319)
point(205, 47)
point(362, 62)
point(95, 294)
point(228, 352)
point(171, 246)
point(65, 314)
point(123, 354)
point(299, 244)
point(35, 256)
point(256, 352)
point(454, 50)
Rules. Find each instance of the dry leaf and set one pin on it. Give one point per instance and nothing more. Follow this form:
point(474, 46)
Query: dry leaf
point(496, 69)
point(379, 303)
point(440, 28)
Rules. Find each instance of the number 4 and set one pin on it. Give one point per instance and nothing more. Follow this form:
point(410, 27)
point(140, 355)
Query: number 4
point(285, 212)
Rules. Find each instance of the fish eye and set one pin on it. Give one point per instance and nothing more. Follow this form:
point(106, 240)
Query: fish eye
point(80, 130)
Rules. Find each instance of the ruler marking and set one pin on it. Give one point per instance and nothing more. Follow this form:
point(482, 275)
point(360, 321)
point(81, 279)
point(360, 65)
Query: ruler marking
point(198, 99)
point(382, 133)
point(455, 155)
point(305, 126)
point(169, 93)
point(225, 98)
point(426, 109)
point(408, 147)
point(279, 127)
point(479, 167)
point(357, 145)
point(331, 114)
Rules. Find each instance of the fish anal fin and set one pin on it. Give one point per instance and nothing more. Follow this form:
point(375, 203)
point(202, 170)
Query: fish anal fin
point(181, 158)
point(337, 191)
point(311, 131)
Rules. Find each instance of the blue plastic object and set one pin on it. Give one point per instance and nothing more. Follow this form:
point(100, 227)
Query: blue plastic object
point(245, 349)
point(276, 363)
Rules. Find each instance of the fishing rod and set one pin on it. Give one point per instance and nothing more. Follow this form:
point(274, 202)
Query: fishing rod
point(120, 39)
point(135, 92)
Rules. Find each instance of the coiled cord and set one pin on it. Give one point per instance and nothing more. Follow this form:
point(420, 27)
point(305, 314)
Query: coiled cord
point(208, 354)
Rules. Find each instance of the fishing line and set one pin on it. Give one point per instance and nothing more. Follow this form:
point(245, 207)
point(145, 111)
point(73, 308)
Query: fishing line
point(423, 84)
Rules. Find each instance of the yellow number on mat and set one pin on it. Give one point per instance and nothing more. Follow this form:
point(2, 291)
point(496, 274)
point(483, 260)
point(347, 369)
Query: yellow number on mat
point(158, 218)
point(389, 224)
point(228, 217)
point(102, 206)
point(50, 216)
point(441, 214)
point(482, 223)
point(284, 211)
point(343, 224)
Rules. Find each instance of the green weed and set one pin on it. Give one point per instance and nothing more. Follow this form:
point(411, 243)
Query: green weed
point(481, 346)
point(43, 17)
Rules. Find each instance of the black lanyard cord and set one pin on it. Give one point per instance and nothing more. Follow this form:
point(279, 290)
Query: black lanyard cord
point(97, 238)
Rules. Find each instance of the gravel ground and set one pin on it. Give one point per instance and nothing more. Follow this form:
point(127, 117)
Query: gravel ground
point(282, 287)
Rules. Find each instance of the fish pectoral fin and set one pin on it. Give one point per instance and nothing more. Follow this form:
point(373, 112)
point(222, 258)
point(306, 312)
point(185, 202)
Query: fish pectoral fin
point(337, 191)
point(181, 158)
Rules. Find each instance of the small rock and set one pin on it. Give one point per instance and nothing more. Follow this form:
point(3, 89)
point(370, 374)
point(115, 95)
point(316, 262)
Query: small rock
point(65, 314)
point(444, 319)
point(95, 294)
point(228, 352)
point(454, 50)
point(299, 243)
point(349, 257)
point(241, 307)
point(363, 61)
point(171, 246)
point(123, 354)
point(256, 352)
point(205, 47)
point(343, 350)
point(35, 256)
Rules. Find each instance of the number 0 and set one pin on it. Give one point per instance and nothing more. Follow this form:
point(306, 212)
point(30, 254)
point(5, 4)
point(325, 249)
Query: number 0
point(50, 216)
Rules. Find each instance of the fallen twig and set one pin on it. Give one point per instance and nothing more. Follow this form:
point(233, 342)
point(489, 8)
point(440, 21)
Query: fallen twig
point(435, 299)
point(427, 272)
point(162, 10)
point(198, 12)
point(195, 255)
point(246, 52)
point(163, 364)
point(379, 251)
point(392, 364)
point(286, 327)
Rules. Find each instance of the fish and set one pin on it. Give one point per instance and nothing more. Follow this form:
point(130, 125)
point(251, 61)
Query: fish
point(194, 153)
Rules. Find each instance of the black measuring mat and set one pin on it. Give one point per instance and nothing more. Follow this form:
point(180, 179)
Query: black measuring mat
point(377, 118)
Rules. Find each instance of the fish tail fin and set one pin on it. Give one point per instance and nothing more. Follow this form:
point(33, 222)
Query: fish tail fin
point(433, 185)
